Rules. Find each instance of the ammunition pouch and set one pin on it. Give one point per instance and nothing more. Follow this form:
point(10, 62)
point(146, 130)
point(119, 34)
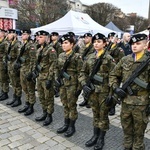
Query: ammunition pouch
point(66, 76)
point(29, 76)
point(22, 60)
point(98, 79)
point(17, 66)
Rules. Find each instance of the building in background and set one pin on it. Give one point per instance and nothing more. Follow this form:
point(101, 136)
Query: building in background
point(8, 16)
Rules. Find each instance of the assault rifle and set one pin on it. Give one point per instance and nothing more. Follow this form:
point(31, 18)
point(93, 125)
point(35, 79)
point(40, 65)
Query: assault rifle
point(133, 78)
point(86, 51)
point(19, 59)
point(63, 72)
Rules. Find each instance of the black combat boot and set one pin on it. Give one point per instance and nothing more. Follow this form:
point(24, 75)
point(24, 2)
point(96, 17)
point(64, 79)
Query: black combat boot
point(30, 110)
point(12, 101)
point(1, 94)
point(94, 138)
point(48, 120)
point(24, 108)
point(17, 102)
point(42, 117)
point(71, 129)
point(100, 142)
point(4, 96)
point(112, 111)
point(64, 128)
point(128, 149)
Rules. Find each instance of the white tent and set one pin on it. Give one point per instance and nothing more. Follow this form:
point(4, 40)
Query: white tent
point(76, 22)
point(145, 32)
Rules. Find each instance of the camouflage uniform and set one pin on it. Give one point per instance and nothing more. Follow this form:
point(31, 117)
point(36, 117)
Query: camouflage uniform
point(13, 75)
point(29, 57)
point(4, 78)
point(68, 90)
point(133, 117)
point(48, 65)
point(57, 46)
point(96, 99)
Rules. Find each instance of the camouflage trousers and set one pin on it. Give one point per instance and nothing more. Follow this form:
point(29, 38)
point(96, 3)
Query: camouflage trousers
point(4, 78)
point(46, 97)
point(134, 122)
point(28, 88)
point(68, 99)
point(14, 81)
point(100, 110)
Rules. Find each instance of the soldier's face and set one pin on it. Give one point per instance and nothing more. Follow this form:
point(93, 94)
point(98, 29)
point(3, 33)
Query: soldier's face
point(87, 40)
point(54, 37)
point(2, 34)
point(99, 44)
point(67, 46)
point(10, 36)
point(139, 46)
point(42, 39)
point(25, 36)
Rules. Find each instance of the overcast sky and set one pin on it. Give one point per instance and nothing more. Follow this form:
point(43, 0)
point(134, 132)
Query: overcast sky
point(127, 6)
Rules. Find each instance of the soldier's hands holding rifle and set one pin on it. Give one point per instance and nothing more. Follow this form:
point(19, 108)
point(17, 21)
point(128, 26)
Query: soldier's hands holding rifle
point(48, 84)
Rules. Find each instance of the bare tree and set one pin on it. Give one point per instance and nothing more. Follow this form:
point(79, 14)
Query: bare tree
point(102, 13)
point(33, 13)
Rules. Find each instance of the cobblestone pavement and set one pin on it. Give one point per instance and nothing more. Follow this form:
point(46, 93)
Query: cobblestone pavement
point(18, 132)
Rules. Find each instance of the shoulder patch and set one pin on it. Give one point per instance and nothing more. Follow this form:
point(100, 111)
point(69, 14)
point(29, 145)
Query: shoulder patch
point(53, 50)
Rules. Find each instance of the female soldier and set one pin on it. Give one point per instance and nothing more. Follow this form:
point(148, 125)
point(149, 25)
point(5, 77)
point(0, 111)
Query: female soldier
point(101, 89)
point(69, 90)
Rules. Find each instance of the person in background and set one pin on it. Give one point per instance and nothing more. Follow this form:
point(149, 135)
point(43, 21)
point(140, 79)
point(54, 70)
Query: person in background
point(124, 44)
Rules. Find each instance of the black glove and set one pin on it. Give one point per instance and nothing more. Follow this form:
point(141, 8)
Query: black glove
point(86, 89)
point(17, 66)
point(121, 93)
point(109, 100)
point(77, 93)
point(29, 76)
point(147, 110)
point(48, 84)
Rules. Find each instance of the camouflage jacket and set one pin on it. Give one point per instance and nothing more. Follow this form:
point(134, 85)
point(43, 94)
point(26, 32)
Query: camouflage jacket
point(11, 55)
point(73, 68)
point(117, 53)
point(3, 47)
point(47, 63)
point(107, 65)
point(123, 71)
point(29, 57)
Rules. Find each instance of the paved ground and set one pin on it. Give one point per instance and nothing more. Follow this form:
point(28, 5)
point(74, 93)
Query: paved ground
point(18, 132)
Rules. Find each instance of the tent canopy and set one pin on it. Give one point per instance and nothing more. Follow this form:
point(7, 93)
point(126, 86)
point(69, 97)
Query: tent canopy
point(112, 26)
point(77, 22)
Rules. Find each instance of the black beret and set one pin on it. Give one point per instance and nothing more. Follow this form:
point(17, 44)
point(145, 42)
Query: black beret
point(26, 31)
point(65, 37)
point(137, 37)
point(71, 33)
point(2, 30)
point(87, 34)
point(54, 34)
point(98, 36)
point(42, 32)
point(112, 34)
point(11, 31)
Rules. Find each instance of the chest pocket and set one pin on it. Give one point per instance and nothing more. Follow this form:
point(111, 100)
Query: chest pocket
point(105, 66)
point(45, 57)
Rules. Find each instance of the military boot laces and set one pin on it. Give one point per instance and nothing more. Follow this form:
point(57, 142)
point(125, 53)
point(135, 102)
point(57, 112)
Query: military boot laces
point(24, 108)
point(42, 117)
point(48, 120)
point(100, 142)
point(17, 102)
point(4, 96)
point(71, 129)
point(64, 128)
point(12, 101)
point(30, 110)
point(94, 138)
